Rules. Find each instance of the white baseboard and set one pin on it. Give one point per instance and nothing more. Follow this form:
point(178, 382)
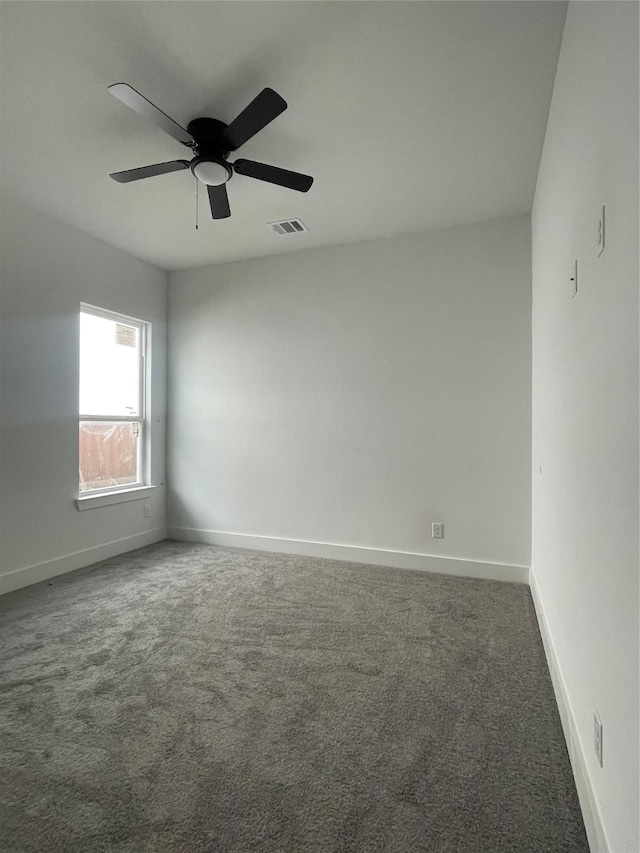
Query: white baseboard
point(596, 834)
point(77, 560)
point(356, 554)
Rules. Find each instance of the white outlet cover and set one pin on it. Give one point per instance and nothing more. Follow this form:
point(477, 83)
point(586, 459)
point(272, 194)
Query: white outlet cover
point(597, 737)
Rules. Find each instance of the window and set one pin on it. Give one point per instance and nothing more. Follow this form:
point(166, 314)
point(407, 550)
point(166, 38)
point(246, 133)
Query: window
point(113, 429)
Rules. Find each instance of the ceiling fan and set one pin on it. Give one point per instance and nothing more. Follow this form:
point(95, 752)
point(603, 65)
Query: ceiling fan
point(211, 142)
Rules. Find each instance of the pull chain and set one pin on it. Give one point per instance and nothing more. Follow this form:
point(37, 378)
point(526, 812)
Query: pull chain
point(197, 182)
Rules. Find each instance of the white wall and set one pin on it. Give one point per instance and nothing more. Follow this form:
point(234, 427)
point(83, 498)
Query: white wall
point(352, 395)
point(48, 269)
point(585, 405)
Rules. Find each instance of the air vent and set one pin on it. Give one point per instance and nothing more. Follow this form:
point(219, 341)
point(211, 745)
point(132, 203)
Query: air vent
point(288, 226)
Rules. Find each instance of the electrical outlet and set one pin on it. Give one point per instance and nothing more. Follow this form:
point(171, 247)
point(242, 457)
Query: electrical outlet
point(597, 736)
point(601, 232)
point(146, 511)
point(437, 530)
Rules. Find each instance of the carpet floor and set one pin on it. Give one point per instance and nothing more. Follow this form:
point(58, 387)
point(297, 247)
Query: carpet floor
point(193, 698)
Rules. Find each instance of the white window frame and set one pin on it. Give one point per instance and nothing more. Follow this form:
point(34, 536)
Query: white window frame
point(141, 488)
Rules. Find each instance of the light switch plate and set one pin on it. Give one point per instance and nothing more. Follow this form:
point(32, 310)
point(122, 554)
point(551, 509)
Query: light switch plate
point(601, 232)
point(574, 278)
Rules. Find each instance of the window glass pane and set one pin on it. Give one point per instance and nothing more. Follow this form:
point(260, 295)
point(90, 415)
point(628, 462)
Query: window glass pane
point(108, 454)
point(109, 367)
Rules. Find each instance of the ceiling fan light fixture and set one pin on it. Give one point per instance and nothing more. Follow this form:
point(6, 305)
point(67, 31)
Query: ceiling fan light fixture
point(211, 141)
point(211, 172)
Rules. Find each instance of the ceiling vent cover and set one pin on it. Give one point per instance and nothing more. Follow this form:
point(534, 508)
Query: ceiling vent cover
point(288, 226)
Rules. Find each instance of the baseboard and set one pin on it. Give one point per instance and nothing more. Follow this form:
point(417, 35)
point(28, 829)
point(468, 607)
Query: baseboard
point(592, 821)
point(77, 560)
point(357, 554)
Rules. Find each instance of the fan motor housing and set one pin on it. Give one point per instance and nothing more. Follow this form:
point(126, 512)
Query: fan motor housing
point(208, 134)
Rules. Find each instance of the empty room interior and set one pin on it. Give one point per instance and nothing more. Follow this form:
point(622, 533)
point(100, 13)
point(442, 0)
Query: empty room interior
point(319, 452)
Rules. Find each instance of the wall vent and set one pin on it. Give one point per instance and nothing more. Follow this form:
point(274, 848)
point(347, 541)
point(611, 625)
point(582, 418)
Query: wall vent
point(288, 226)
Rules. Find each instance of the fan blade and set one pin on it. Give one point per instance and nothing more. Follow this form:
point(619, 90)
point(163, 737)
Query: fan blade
point(262, 109)
point(274, 175)
point(219, 202)
point(133, 99)
point(149, 171)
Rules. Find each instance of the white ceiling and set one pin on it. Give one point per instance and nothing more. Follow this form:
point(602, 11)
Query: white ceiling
point(410, 115)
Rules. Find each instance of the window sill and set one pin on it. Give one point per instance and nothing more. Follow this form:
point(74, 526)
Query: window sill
point(105, 499)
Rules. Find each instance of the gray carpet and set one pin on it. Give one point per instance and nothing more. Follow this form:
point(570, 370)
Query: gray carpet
point(192, 698)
